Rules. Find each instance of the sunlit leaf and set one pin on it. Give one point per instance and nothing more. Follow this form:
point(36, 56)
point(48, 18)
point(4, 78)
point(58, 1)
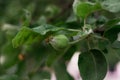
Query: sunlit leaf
point(25, 36)
point(83, 9)
point(44, 29)
point(111, 5)
point(28, 36)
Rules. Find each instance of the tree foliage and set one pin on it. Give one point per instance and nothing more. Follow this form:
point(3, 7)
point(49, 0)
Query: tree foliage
point(36, 43)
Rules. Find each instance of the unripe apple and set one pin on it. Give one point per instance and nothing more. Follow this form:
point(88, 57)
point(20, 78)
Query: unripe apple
point(59, 42)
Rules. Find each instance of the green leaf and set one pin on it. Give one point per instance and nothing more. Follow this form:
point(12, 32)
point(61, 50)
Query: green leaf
point(112, 33)
point(51, 59)
point(111, 23)
point(29, 36)
point(97, 42)
point(25, 36)
point(44, 29)
point(113, 56)
point(54, 56)
point(67, 56)
point(83, 9)
point(9, 54)
point(82, 45)
point(116, 45)
point(111, 5)
point(61, 72)
point(94, 41)
point(92, 65)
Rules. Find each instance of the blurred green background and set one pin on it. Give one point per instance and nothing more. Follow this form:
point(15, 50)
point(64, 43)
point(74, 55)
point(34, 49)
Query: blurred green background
point(16, 63)
point(13, 11)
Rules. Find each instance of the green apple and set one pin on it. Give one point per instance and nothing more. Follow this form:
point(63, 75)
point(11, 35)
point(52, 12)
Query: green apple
point(59, 42)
